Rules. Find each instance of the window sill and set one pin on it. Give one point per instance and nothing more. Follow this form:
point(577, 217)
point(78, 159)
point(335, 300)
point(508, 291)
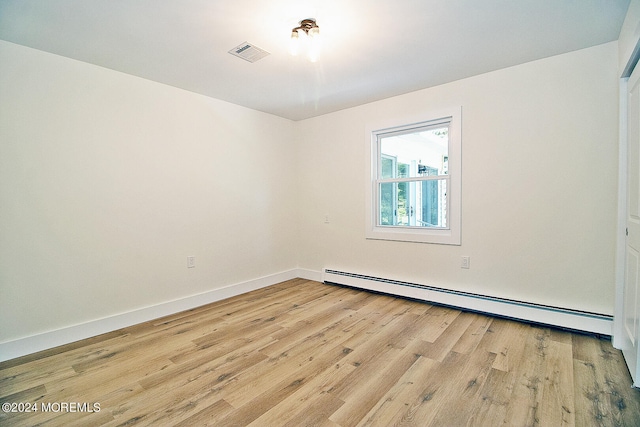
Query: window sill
point(403, 234)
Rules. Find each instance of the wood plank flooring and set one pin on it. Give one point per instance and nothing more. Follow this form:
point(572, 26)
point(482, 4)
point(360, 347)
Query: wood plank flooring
point(302, 353)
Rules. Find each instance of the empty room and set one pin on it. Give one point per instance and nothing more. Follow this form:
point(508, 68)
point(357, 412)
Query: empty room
point(319, 213)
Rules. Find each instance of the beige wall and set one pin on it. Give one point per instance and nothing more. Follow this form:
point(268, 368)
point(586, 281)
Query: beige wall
point(108, 182)
point(539, 185)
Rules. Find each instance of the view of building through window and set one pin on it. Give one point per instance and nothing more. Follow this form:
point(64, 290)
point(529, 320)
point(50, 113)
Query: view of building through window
point(413, 177)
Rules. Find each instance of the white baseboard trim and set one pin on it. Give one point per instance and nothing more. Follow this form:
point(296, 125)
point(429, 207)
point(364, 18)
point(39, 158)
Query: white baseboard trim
point(47, 340)
point(535, 313)
point(577, 320)
point(314, 275)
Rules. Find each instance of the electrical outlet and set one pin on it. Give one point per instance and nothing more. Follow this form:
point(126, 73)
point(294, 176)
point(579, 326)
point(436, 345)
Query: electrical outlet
point(465, 262)
point(191, 262)
point(326, 219)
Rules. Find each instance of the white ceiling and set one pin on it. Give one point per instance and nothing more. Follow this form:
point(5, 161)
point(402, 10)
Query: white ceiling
point(372, 49)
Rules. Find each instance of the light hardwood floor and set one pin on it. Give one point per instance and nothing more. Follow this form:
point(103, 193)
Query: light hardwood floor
point(302, 353)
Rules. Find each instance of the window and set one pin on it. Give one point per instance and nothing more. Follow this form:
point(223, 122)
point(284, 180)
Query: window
point(414, 188)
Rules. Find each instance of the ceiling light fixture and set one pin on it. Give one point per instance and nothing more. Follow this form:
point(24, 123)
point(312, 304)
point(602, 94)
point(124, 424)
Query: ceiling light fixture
point(306, 37)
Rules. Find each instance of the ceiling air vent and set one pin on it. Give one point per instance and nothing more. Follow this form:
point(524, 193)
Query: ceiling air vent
point(248, 52)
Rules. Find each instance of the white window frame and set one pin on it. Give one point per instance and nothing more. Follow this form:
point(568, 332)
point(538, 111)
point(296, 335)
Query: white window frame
point(451, 235)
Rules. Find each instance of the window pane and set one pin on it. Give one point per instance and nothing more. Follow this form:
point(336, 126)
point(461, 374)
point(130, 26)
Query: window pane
point(418, 153)
point(432, 207)
point(403, 170)
point(404, 206)
point(387, 165)
point(414, 204)
point(387, 204)
point(413, 196)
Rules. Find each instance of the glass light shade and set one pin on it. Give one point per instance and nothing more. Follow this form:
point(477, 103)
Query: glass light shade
point(314, 44)
point(294, 43)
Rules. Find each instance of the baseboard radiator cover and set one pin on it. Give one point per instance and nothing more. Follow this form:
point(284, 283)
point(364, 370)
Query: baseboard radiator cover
point(530, 312)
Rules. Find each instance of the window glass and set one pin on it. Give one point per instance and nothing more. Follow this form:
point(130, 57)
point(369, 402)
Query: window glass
point(416, 153)
point(422, 152)
point(415, 170)
point(414, 204)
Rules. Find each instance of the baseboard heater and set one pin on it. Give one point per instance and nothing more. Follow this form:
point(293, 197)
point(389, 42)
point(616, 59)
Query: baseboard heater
point(519, 310)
